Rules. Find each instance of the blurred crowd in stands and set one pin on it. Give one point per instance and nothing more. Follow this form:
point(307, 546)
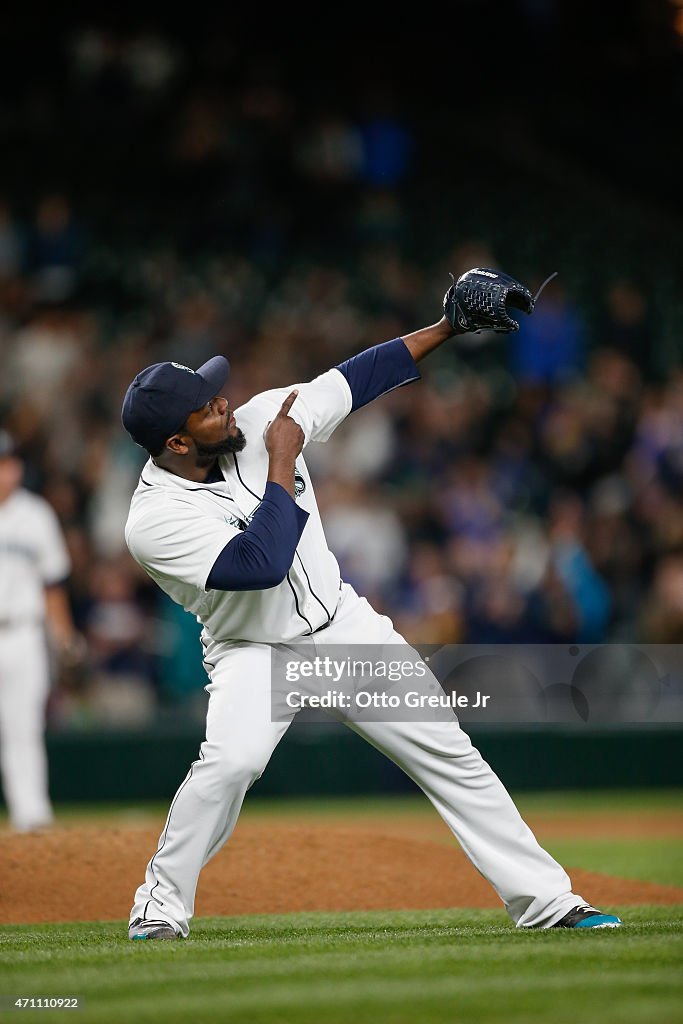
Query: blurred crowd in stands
point(530, 489)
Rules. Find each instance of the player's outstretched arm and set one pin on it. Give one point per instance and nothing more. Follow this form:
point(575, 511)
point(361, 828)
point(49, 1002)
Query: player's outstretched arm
point(421, 343)
point(477, 301)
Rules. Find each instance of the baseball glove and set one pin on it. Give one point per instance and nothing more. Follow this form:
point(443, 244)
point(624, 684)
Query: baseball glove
point(479, 299)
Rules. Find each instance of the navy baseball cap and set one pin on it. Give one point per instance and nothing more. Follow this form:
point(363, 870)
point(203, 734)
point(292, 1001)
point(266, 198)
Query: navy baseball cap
point(163, 395)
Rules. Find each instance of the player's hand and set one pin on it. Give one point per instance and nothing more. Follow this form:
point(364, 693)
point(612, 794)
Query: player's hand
point(72, 668)
point(283, 436)
point(73, 650)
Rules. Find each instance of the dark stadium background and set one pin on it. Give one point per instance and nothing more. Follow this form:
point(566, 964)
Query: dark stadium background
point(183, 184)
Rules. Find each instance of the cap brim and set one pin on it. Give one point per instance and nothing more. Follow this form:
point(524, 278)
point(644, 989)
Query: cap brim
point(214, 372)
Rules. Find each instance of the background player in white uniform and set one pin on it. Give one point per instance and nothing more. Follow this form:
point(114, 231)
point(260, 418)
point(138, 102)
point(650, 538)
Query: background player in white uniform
point(33, 566)
point(225, 520)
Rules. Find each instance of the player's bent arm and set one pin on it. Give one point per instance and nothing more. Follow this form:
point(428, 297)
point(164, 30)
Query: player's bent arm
point(261, 556)
point(284, 440)
point(68, 644)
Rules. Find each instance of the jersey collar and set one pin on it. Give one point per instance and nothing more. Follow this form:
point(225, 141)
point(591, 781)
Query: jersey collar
point(154, 476)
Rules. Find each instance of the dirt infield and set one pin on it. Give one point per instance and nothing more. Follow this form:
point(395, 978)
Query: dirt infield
point(89, 872)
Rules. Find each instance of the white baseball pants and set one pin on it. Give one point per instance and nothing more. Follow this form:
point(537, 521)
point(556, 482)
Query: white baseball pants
point(24, 687)
point(437, 755)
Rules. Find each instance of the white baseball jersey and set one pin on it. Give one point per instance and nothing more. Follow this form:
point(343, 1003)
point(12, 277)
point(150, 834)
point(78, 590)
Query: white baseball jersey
point(32, 555)
point(177, 528)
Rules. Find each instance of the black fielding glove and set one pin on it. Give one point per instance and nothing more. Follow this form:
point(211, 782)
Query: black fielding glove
point(478, 301)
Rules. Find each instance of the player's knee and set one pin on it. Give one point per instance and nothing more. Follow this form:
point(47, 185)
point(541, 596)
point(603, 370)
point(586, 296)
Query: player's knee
point(241, 766)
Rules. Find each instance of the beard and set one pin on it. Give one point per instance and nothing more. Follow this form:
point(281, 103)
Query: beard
point(208, 453)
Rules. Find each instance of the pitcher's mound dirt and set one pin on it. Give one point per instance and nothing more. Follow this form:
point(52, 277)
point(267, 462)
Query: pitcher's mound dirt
point(89, 873)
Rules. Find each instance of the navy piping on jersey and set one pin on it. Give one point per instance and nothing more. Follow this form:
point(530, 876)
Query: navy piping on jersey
point(204, 661)
point(239, 477)
point(329, 617)
point(296, 601)
point(226, 497)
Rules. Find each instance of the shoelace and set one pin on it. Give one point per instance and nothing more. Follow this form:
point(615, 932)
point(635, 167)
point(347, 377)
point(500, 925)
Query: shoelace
point(547, 281)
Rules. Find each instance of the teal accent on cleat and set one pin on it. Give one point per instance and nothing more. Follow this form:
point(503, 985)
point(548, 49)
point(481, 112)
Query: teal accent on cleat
point(587, 917)
point(599, 921)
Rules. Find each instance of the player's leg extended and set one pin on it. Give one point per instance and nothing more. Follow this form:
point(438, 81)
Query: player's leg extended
point(464, 789)
point(440, 758)
point(24, 685)
point(240, 738)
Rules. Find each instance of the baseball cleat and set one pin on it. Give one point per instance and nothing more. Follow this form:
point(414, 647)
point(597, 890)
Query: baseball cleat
point(587, 917)
point(139, 929)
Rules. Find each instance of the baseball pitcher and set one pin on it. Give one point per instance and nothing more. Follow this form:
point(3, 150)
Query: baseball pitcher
point(225, 520)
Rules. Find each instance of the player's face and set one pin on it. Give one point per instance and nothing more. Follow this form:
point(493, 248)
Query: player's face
point(213, 430)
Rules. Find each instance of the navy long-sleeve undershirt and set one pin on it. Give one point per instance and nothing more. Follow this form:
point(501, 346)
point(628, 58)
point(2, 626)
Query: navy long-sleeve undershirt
point(378, 370)
point(261, 556)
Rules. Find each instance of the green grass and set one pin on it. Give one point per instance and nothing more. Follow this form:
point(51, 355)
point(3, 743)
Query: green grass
point(597, 801)
point(652, 860)
point(381, 967)
point(591, 803)
point(384, 968)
